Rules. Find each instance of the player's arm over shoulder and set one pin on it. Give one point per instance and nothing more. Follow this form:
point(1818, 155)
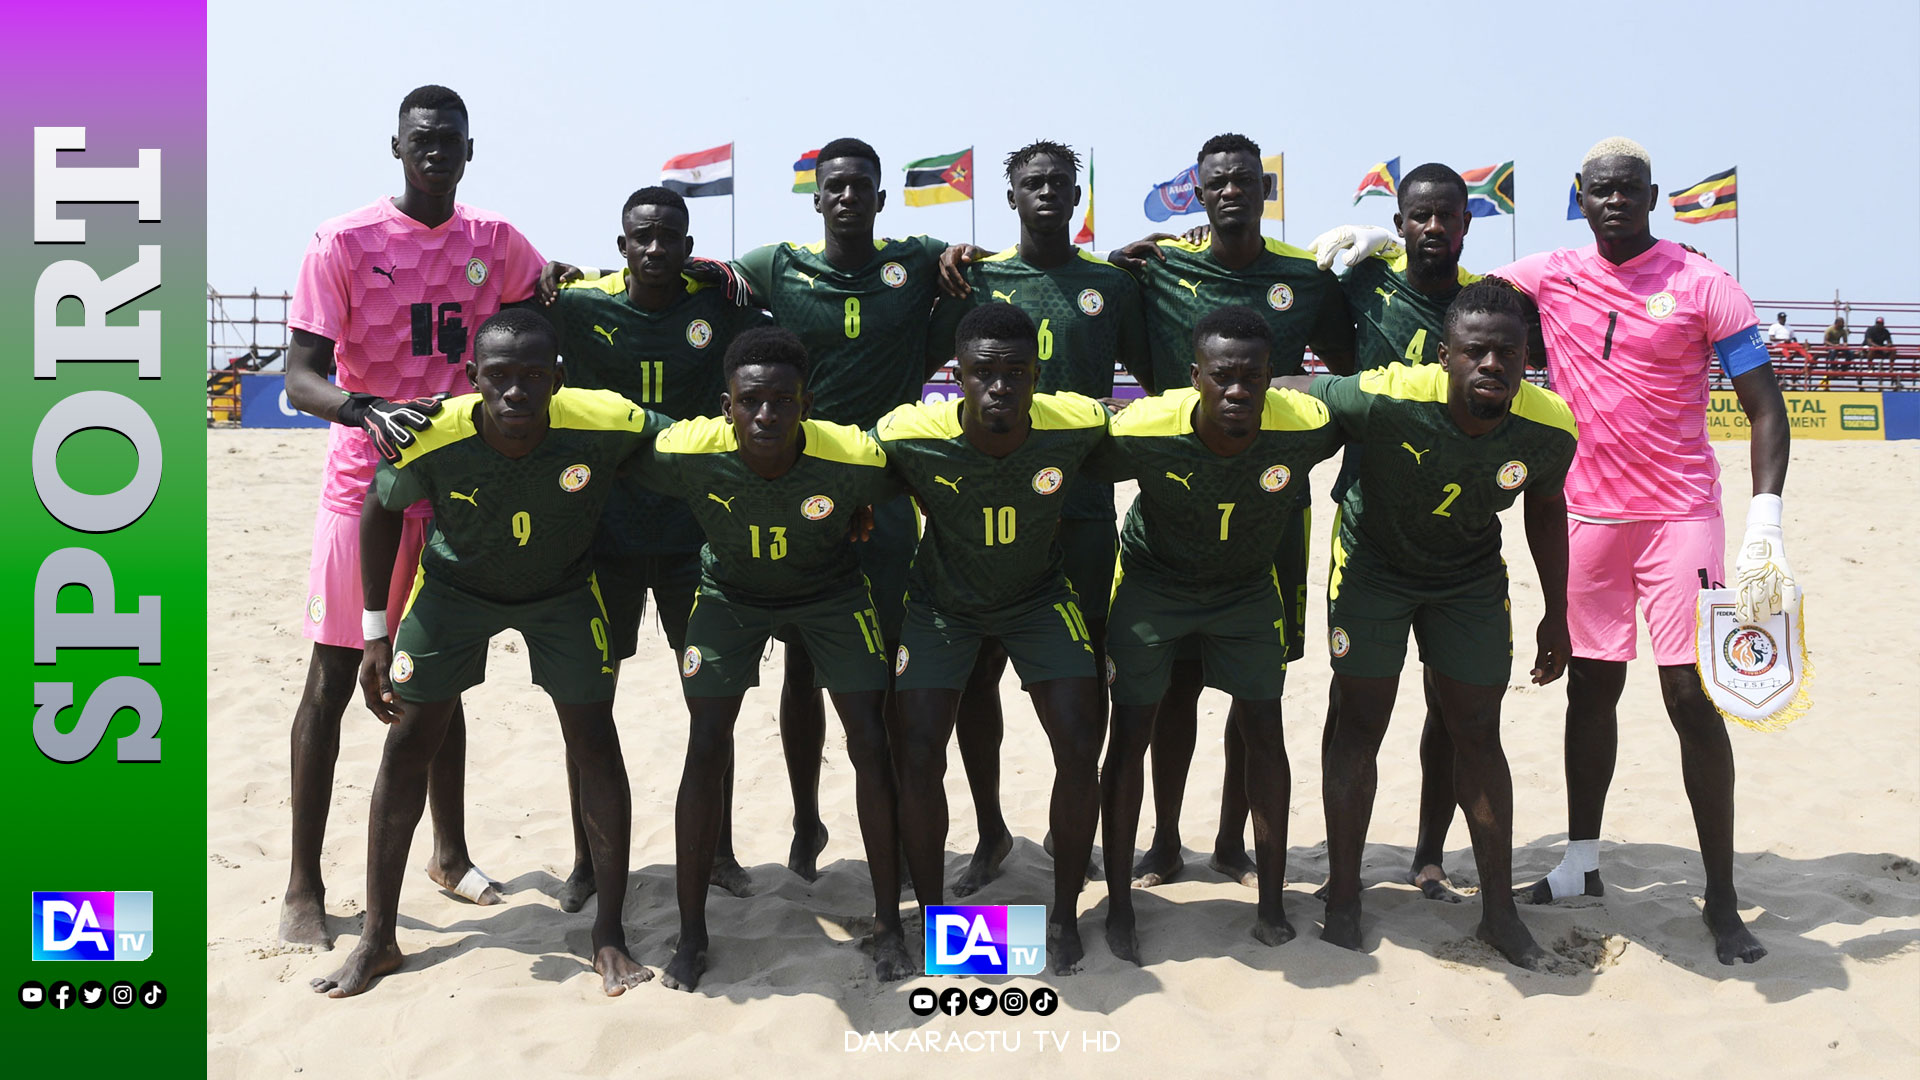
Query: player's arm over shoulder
point(1067, 410)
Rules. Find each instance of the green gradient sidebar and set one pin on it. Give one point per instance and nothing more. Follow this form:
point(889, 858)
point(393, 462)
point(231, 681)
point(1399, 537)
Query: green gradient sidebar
point(103, 211)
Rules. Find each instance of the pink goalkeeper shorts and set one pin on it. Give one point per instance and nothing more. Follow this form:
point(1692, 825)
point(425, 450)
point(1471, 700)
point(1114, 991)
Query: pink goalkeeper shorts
point(1661, 565)
point(334, 596)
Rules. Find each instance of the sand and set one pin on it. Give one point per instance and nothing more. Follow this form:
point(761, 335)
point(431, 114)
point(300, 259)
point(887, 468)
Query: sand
point(1826, 852)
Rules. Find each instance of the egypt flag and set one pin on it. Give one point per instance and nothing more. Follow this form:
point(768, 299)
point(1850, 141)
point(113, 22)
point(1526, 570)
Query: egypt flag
point(705, 172)
point(1489, 190)
point(940, 179)
point(803, 178)
point(1709, 200)
point(1382, 179)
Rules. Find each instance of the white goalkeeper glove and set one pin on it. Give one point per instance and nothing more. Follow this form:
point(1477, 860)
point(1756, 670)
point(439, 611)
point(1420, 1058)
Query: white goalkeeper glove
point(1339, 249)
point(1763, 582)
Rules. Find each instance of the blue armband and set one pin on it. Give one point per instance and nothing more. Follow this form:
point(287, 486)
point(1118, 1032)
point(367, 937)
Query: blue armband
point(1742, 352)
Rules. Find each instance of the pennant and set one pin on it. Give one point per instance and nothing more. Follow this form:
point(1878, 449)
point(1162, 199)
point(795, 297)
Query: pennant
point(1085, 235)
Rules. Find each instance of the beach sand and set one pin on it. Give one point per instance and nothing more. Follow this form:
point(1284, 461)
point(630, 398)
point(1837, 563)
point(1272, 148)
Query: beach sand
point(1826, 851)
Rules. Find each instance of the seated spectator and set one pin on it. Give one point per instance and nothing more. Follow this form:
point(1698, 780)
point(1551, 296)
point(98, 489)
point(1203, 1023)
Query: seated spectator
point(1782, 337)
point(1837, 336)
point(1878, 340)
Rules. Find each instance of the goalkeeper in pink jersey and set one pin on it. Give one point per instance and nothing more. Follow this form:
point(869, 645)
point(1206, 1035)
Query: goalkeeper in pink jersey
point(385, 295)
point(1631, 324)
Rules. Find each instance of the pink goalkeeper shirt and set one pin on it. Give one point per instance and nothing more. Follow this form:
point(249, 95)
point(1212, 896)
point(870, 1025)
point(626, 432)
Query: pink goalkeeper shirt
point(394, 296)
point(1628, 348)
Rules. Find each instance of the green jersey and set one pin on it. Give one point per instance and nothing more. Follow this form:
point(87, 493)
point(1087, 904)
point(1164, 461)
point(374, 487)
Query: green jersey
point(512, 530)
point(1089, 316)
point(1424, 508)
point(667, 361)
point(1206, 523)
point(865, 330)
point(989, 539)
point(777, 542)
point(1393, 321)
point(1301, 303)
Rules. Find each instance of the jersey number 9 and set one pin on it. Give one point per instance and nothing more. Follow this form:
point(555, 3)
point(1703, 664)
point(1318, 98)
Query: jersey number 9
point(522, 527)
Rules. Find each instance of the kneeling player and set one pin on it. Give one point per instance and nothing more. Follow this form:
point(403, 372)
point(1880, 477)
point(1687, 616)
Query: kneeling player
point(517, 476)
point(988, 472)
point(1216, 464)
point(775, 494)
point(1446, 447)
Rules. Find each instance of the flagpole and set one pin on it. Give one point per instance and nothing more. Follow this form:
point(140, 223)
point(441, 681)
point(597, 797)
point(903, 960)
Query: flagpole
point(1736, 226)
point(733, 162)
point(1513, 239)
point(1092, 243)
point(973, 215)
point(1283, 196)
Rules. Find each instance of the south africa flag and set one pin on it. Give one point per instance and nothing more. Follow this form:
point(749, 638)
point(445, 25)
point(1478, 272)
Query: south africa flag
point(940, 179)
point(1489, 189)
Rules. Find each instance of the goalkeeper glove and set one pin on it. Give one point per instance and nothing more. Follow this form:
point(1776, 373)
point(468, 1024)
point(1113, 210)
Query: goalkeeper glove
point(1763, 582)
point(719, 272)
point(1339, 249)
point(390, 424)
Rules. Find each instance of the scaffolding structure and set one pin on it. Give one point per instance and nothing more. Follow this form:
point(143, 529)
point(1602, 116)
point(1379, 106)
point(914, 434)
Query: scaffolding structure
point(236, 344)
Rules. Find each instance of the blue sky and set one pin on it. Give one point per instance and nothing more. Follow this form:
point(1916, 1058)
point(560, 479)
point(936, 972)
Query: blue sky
point(574, 106)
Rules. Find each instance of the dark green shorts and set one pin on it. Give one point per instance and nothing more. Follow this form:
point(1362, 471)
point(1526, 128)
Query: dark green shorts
point(1290, 570)
point(1087, 548)
point(1237, 637)
point(885, 557)
point(1465, 632)
point(1045, 637)
point(623, 585)
point(725, 641)
point(440, 648)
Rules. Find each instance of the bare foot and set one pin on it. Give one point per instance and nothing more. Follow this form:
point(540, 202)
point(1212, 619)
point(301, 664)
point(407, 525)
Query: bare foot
point(731, 876)
point(1233, 862)
point(1063, 944)
point(1342, 926)
point(1431, 880)
point(619, 970)
point(364, 964)
point(577, 888)
point(1157, 867)
point(449, 879)
point(1273, 933)
point(1514, 943)
point(1122, 939)
point(985, 864)
point(1732, 941)
point(303, 920)
point(803, 856)
point(891, 961)
point(1542, 893)
point(688, 964)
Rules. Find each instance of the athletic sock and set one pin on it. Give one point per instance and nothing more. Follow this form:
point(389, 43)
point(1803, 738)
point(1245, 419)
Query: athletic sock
point(1570, 877)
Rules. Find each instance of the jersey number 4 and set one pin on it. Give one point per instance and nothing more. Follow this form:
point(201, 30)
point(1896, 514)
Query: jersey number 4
point(443, 333)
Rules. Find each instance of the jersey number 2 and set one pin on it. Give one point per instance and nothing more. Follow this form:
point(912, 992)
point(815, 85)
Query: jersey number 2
point(1453, 492)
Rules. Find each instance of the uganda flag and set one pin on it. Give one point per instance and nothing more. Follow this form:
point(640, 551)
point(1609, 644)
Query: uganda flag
point(1489, 189)
point(1709, 200)
point(803, 181)
point(940, 179)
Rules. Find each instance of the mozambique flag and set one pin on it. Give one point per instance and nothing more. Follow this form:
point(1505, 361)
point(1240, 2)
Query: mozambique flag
point(1085, 235)
point(1489, 189)
point(1382, 179)
point(803, 182)
point(940, 179)
point(1709, 200)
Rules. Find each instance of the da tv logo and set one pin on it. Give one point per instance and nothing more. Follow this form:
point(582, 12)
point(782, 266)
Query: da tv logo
point(987, 939)
point(92, 925)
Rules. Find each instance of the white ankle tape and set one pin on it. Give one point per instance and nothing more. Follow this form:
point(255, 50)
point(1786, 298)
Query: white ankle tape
point(1570, 877)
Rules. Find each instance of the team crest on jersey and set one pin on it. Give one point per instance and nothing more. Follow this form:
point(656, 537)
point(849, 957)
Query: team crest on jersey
point(1339, 641)
point(575, 477)
point(690, 661)
point(816, 507)
point(1092, 302)
point(1275, 478)
point(1750, 651)
point(1661, 304)
point(1112, 672)
point(1047, 480)
point(699, 333)
point(1511, 475)
point(900, 661)
point(894, 274)
point(476, 272)
point(1280, 297)
point(317, 608)
point(402, 666)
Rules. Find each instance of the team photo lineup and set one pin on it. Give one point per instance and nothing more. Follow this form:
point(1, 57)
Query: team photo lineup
point(743, 451)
